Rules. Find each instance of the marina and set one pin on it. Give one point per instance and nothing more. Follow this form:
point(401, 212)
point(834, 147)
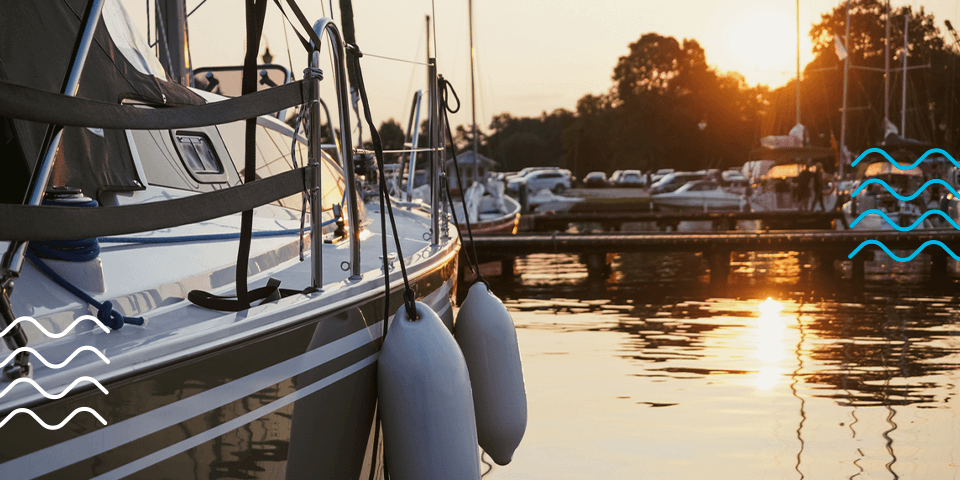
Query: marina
point(223, 257)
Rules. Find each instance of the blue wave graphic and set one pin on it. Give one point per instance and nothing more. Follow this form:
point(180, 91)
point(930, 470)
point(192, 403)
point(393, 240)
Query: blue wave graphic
point(906, 198)
point(905, 229)
point(908, 258)
point(907, 167)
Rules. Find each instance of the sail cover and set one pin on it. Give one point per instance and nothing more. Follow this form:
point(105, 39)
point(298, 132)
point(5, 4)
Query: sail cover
point(36, 43)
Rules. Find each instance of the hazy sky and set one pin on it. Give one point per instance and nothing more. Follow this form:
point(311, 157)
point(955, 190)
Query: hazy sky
point(533, 56)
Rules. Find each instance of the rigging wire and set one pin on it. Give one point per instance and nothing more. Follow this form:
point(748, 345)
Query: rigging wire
point(395, 59)
point(413, 71)
point(196, 8)
point(433, 12)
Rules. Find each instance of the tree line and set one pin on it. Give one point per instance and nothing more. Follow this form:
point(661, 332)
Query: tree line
point(668, 108)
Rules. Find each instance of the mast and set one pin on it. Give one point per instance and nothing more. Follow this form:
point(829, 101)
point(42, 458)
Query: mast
point(886, 75)
point(903, 104)
point(172, 36)
point(798, 62)
point(473, 89)
point(843, 114)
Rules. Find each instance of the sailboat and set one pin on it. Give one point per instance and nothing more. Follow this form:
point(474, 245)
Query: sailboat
point(127, 352)
point(876, 207)
point(483, 200)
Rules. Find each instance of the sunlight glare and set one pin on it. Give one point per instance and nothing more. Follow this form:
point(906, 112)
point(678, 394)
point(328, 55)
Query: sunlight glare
point(762, 43)
point(770, 308)
point(770, 346)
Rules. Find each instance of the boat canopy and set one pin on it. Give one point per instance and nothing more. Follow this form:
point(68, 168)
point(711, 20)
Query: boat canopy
point(894, 142)
point(791, 154)
point(46, 33)
point(886, 168)
point(790, 170)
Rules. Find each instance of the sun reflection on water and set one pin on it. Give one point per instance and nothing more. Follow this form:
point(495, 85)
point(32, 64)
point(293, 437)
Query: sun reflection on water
point(770, 346)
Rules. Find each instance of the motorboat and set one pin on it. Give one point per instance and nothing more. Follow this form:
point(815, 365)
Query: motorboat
point(546, 201)
point(874, 207)
point(705, 195)
point(488, 208)
point(146, 333)
point(775, 191)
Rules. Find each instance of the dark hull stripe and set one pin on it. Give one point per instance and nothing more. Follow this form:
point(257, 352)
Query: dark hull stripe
point(238, 422)
point(117, 434)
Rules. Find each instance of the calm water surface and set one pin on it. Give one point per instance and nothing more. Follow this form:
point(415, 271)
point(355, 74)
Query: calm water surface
point(652, 373)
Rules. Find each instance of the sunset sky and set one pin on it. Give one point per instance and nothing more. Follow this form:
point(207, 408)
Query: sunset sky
point(531, 58)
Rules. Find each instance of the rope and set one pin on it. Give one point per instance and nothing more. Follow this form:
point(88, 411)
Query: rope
point(105, 311)
point(409, 297)
point(456, 223)
point(444, 86)
point(82, 250)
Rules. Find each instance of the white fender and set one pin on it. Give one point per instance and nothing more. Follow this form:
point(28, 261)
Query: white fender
point(488, 339)
point(429, 431)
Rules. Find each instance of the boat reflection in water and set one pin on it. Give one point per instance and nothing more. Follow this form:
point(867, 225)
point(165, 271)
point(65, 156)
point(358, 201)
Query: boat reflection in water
point(670, 377)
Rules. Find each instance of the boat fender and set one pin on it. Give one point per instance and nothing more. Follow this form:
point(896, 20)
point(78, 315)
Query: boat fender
point(488, 339)
point(429, 431)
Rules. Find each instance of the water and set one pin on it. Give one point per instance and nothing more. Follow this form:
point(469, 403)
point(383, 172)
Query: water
point(653, 373)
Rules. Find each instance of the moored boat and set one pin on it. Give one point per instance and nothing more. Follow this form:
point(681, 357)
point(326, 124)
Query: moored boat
point(152, 347)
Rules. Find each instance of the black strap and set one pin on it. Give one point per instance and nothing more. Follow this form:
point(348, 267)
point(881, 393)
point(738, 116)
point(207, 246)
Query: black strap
point(43, 222)
point(26, 103)
point(229, 303)
point(303, 41)
point(256, 12)
point(303, 22)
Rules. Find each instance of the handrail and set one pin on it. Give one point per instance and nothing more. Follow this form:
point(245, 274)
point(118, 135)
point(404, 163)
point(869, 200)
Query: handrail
point(435, 164)
point(413, 130)
point(340, 76)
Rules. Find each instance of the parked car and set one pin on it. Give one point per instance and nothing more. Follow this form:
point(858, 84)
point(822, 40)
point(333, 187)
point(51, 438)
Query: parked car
point(616, 176)
point(630, 178)
point(524, 172)
point(673, 181)
point(555, 180)
point(595, 180)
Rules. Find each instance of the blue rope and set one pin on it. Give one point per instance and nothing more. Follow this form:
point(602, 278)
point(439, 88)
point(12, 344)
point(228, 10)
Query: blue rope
point(82, 250)
point(105, 311)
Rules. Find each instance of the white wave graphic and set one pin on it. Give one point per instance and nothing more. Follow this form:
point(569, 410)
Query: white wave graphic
point(48, 426)
point(61, 394)
point(54, 335)
point(55, 365)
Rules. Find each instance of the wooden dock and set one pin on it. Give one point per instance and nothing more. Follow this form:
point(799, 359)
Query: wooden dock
point(717, 247)
point(613, 221)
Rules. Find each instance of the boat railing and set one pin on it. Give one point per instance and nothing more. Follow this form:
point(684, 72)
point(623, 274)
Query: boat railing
point(20, 224)
point(13, 260)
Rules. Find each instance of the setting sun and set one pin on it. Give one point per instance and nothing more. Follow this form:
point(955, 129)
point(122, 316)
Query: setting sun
point(762, 44)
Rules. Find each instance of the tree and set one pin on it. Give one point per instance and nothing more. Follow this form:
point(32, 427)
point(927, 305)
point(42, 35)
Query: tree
point(930, 96)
